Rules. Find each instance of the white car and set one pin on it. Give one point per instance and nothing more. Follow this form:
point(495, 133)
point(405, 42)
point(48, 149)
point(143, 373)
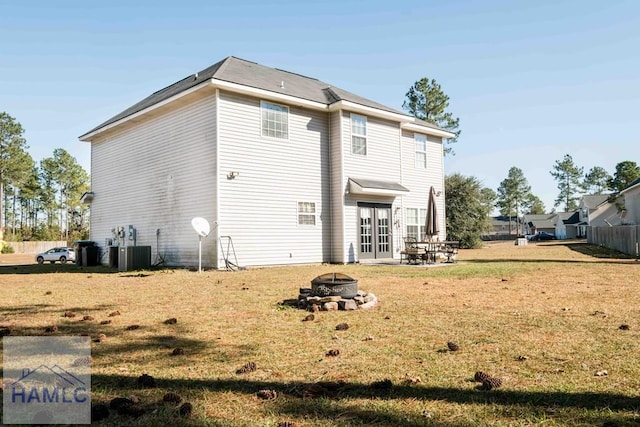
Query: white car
point(57, 254)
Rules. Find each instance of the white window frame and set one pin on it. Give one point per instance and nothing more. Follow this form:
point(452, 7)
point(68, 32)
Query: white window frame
point(420, 145)
point(420, 215)
point(273, 131)
point(358, 134)
point(307, 212)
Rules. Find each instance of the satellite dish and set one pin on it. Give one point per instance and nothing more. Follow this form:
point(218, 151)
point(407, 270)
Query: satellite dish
point(201, 226)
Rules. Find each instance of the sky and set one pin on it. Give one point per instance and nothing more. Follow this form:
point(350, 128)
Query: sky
point(530, 81)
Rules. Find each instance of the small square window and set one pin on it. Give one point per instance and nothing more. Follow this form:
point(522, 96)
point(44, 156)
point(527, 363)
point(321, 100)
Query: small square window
point(306, 213)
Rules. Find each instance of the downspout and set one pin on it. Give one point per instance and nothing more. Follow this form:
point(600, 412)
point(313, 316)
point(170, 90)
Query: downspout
point(444, 193)
point(217, 181)
point(330, 148)
point(396, 238)
point(342, 195)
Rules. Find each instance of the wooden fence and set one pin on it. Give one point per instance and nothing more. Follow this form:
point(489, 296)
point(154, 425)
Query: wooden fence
point(34, 247)
point(623, 238)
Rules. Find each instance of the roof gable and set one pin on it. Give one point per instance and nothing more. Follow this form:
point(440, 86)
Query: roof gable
point(592, 201)
point(253, 75)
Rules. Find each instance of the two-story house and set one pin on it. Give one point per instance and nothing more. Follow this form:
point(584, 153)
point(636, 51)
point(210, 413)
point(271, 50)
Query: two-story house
point(286, 169)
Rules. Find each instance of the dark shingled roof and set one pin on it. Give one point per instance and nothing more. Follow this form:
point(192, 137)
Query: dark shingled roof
point(251, 74)
point(592, 201)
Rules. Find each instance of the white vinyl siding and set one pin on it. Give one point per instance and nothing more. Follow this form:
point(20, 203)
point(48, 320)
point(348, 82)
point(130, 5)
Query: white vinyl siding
point(382, 162)
point(337, 188)
point(157, 176)
point(358, 134)
point(306, 213)
point(258, 209)
point(275, 120)
point(421, 150)
point(420, 180)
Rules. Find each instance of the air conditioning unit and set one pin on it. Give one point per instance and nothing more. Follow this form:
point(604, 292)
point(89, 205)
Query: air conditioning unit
point(134, 258)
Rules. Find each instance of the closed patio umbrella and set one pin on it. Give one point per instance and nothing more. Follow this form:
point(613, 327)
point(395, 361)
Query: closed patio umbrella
point(432, 228)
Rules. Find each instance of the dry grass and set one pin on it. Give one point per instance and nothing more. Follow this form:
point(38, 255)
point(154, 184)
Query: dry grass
point(544, 318)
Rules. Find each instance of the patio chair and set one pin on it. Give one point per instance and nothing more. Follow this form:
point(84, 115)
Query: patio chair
point(411, 251)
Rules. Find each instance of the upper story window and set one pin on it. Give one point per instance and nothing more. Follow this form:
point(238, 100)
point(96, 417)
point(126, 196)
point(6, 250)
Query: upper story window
point(306, 213)
point(358, 134)
point(421, 150)
point(275, 120)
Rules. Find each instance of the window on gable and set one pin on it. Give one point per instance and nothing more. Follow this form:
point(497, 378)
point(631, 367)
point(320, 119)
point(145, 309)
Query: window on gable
point(416, 222)
point(358, 134)
point(275, 120)
point(421, 150)
point(306, 213)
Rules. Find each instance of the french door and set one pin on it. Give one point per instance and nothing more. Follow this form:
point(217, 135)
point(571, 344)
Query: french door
point(375, 237)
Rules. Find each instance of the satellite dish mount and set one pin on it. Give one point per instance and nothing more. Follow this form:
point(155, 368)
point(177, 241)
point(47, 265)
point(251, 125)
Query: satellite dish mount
point(201, 226)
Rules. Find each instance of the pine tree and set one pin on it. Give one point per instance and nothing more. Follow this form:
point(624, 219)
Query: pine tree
point(426, 101)
point(514, 192)
point(12, 157)
point(570, 182)
point(597, 180)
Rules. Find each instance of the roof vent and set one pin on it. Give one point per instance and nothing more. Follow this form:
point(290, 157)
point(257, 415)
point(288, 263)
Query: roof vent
point(196, 76)
point(282, 84)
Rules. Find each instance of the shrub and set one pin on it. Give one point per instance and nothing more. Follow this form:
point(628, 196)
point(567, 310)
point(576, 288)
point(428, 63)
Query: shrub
point(5, 249)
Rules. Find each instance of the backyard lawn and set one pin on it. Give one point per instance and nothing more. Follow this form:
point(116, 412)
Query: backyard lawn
point(557, 322)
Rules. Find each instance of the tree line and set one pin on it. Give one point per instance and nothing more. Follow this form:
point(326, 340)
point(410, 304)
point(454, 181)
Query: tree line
point(39, 200)
point(42, 201)
point(469, 203)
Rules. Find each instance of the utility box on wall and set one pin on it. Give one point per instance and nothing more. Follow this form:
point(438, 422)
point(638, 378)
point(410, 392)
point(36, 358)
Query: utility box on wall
point(134, 258)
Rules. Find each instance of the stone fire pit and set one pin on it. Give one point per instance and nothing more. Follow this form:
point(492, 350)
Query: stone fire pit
point(333, 291)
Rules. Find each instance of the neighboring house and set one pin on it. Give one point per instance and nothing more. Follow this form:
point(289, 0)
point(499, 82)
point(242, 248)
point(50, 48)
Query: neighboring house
point(286, 169)
point(503, 225)
point(589, 204)
point(565, 225)
point(631, 194)
point(539, 222)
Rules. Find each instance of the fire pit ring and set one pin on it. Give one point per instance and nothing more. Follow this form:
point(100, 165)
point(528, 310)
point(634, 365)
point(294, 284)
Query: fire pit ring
point(334, 284)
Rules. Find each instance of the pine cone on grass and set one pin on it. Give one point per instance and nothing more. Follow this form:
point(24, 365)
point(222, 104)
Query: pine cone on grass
point(171, 397)
point(453, 346)
point(491, 383)
point(488, 382)
point(146, 381)
point(267, 394)
point(185, 410)
point(248, 367)
point(481, 376)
